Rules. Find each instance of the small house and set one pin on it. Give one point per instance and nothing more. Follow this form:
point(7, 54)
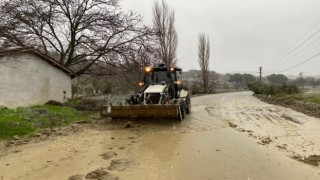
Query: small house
point(29, 77)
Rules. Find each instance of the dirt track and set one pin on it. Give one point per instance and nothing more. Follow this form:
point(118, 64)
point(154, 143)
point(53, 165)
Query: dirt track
point(227, 136)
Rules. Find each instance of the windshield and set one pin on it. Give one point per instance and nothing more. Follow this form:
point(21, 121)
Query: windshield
point(158, 77)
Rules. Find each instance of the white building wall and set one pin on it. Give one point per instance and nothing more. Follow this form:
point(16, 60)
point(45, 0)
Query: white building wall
point(26, 79)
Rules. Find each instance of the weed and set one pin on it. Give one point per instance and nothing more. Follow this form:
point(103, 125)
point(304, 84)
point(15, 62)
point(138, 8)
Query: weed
point(25, 121)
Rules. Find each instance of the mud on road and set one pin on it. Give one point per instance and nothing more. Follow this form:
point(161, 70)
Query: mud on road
point(104, 149)
point(287, 130)
point(227, 136)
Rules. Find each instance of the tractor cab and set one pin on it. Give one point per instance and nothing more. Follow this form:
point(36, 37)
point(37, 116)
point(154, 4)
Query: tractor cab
point(162, 75)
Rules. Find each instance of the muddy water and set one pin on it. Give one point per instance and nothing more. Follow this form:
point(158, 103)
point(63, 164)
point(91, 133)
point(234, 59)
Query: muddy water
point(203, 146)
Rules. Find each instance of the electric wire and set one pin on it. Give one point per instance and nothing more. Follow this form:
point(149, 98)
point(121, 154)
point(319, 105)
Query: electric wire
point(288, 51)
point(309, 59)
point(299, 46)
point(314, 41)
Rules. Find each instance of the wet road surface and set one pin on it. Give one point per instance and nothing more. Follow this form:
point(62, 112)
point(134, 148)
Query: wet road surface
point(226, 136)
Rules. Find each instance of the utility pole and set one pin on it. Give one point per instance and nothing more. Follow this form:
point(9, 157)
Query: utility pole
point(260, 71)
point(301, 79)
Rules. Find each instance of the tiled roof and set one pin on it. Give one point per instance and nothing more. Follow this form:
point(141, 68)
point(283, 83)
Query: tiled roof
point(43, 56)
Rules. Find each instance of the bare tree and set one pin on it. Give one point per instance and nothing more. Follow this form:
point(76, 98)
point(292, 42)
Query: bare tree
point(167, 39)
point(131, 69)
point(123, 75)
point(204, 55)
point(79, 32)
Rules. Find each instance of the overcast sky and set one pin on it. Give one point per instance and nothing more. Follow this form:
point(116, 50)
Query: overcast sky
point(245, 34)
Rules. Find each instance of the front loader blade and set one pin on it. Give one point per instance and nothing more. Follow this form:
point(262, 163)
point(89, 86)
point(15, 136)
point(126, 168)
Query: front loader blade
point(140, 111)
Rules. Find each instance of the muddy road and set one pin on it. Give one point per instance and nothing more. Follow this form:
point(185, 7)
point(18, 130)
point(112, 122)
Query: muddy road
point(227, 136)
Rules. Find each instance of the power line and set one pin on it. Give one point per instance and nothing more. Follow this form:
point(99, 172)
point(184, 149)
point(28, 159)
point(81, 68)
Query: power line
point(287, 52)
point(301, 49)
point(301, 44)
point(301, 63)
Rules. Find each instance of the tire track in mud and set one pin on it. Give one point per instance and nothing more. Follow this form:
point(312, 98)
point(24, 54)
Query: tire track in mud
point(274, 127)
point(84, 144)
point(115, 157)
point(116, 163)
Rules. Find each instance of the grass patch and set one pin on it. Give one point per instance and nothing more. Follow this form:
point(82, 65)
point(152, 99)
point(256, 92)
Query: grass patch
point(25, 121)
point(297, 97)
point(291, 97)
point(314, 99)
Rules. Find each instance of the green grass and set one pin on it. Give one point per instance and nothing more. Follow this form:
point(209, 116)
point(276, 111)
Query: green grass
point(298, 97)
point(288, 97)
point(25, 121)
point(314, 99)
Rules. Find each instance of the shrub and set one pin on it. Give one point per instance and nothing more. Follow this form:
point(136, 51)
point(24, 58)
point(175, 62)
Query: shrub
point(292, 89)
point(257, 88)
point(195, 89)
point(271, 89)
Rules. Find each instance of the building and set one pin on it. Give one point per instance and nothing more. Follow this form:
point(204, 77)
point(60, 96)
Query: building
point(29, 77)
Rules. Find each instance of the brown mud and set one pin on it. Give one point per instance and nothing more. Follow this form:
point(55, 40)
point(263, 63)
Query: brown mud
point(226, 136)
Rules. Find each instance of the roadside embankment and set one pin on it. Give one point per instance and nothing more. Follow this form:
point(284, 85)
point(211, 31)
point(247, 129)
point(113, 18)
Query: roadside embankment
point(296, 102)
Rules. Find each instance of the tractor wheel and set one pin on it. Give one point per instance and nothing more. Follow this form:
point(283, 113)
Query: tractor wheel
point(182, 109)
point(188, 106)
point(180, 115)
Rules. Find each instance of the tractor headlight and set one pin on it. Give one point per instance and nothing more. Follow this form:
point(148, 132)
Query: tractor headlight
point(141, 83)
point(147, 69)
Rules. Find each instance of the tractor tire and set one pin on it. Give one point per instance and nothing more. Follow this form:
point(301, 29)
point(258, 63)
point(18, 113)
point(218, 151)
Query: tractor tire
point(180, 115)
point(188, 108)
point(183, 109)
point(188, 105)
